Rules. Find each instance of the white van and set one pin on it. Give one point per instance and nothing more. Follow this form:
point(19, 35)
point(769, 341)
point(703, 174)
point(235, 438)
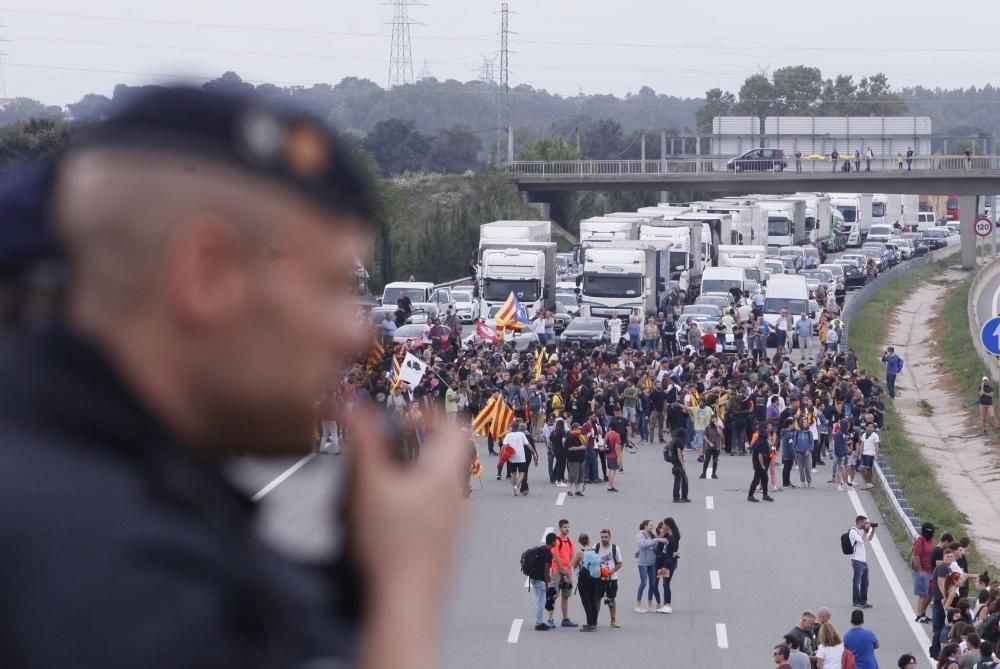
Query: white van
point(785, 291)
point(880, 233)
point(722, 279)
point(925, 219)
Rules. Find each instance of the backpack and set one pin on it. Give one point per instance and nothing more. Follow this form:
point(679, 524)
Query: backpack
point(535, 402)
point(591, 563)
point(848, 661)
point(846, 545)
point(534, 561)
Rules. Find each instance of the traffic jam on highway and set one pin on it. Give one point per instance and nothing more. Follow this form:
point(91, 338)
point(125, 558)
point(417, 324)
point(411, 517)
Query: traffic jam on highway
point(798, 254)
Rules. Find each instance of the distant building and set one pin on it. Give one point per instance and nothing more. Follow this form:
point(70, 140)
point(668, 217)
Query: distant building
point(886, 135)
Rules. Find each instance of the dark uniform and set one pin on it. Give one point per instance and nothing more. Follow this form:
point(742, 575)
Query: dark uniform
point(119, 546)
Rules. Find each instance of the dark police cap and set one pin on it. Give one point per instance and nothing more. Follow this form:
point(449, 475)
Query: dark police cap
point(260, 137)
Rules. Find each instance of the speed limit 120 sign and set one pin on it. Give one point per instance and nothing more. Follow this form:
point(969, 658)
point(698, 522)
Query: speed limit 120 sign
point(984, 226)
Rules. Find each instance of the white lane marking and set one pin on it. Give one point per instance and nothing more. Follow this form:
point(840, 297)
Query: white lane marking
point(515, 630)
point(923, 641)
point(709, 502)
point(996, 303)
point(711, 537)
point(561, 499)
point(721, 636)
point(713, 576)
point(281, 478)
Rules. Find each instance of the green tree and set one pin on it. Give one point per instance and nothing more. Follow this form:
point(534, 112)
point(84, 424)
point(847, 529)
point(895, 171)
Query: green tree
point(551, 148)
point(603, 140)
point(229, 82)
point(838, 96)
point(717, 103)
point(455, 150)
point(22, 109)
point(797, 90)
point(90, 108)
point(35, 139)
point(756, 98)
point(398, 147)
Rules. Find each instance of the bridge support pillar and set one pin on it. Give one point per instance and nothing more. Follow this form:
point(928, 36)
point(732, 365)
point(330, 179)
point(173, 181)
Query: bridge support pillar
point(968, 205)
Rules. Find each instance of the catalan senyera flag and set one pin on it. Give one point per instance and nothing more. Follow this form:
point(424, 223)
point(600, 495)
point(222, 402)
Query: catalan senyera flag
point(512, 315)
point(476, 469)
point(539, 361)
point(501, 422)
point(375, 357)
point(396, 377)
point(485, 417)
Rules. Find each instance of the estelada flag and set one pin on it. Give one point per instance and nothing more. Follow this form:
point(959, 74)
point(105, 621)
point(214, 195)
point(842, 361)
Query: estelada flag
point(512, 315)
point(487, 333)
point(501, 422)
point(481, 424)
point(396, 373)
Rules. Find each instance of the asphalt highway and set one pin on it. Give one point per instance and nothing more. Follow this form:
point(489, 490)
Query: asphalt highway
point(747, 571)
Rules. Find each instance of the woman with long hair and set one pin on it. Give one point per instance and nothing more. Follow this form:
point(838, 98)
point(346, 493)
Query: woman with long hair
point(948, 659)
point(671, 554)
point(986, 405)
point(557, 443)
point(646, 560)
point(830, 653)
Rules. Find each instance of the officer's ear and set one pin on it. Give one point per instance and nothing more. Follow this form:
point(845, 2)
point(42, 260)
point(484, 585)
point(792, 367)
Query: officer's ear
point(206, 270)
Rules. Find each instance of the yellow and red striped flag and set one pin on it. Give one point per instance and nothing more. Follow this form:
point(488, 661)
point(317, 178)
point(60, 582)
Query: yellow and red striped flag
point(375, 357)
point(396, 377)
point(483, 419)
point(501, 422)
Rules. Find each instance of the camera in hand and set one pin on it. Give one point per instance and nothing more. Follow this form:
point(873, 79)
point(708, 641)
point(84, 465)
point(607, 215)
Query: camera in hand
point(872, 524)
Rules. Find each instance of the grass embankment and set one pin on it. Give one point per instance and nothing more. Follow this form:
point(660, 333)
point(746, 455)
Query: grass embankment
point(957, 348)
point(914, 474)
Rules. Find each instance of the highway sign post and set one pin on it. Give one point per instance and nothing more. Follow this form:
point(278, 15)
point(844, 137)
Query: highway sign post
point(984, 226)
point(990, 335)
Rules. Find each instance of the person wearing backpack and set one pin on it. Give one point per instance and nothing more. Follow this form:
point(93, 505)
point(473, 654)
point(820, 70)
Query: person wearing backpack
point(535, 565)
point(853, 543)
point(588, 566)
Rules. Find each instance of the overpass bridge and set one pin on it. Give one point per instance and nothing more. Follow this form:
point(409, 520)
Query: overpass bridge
point(937, 175)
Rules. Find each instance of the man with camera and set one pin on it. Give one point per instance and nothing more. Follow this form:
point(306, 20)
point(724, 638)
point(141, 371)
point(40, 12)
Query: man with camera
point(862, 532)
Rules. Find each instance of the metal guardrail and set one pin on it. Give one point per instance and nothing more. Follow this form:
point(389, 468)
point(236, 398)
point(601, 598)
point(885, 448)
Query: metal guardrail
point(716, 164)
point(883, 470)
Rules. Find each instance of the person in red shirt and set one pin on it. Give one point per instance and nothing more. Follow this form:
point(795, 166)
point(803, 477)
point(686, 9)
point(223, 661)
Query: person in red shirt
point(613, 441)
point(922, 566)
point(708, 342)
point(562, 573)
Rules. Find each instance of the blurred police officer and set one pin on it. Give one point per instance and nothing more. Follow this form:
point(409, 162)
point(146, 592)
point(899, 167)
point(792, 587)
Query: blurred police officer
point(210, 245)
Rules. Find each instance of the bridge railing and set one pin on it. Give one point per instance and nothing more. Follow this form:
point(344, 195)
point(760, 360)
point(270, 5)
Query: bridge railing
point(715, 164)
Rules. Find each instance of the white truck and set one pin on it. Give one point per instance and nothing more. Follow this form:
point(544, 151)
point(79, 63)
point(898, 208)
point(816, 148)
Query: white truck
point(621, 276)
point(880, 208)
point(716, 230)
point(857, 209)
point(683, 266)
point(527, 269)
point(786, 222)
point(609, 229)
point(902, 209)
point(749, 258)
point(749, 225)
point(819, 223)
point(515, 231)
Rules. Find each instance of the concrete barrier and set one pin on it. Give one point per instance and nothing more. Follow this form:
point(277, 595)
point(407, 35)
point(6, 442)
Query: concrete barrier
point(983, 277)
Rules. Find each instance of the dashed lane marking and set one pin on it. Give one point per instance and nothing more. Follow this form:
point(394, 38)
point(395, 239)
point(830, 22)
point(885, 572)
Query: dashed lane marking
point(711, 537)
point(515, 630)
point(720, 635)
point(281, 478)
point(709, 502)
point(561, 499)
point(713, 576)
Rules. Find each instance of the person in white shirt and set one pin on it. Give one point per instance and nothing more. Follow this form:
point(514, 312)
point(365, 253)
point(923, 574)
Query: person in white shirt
point(861, 533)
point(520, 460)
point(538, 327)
point(830, 653)
point(869, 451)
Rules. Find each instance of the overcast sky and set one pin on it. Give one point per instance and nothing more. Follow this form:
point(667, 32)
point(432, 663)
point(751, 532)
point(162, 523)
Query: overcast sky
point(58, 50)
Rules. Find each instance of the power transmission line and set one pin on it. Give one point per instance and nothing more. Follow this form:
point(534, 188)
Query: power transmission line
point(425, 71)
point(400, 51)
point(503, 92)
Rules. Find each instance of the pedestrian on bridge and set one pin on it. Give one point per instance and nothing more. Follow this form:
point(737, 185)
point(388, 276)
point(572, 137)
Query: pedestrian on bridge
point(857, 160)
point(869, 156)
point(834, 157)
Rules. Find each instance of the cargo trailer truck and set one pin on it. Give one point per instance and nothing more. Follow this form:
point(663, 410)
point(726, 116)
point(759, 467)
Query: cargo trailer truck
point(684, 262)
point(527, 269)
point(619, 277)
point(786, 222)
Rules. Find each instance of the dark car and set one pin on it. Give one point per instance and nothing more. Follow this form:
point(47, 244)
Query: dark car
point(919, 243)
point(936, 238)
point(585, 330)
point(562, 317)
point(854, 277)
point(758, 160)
